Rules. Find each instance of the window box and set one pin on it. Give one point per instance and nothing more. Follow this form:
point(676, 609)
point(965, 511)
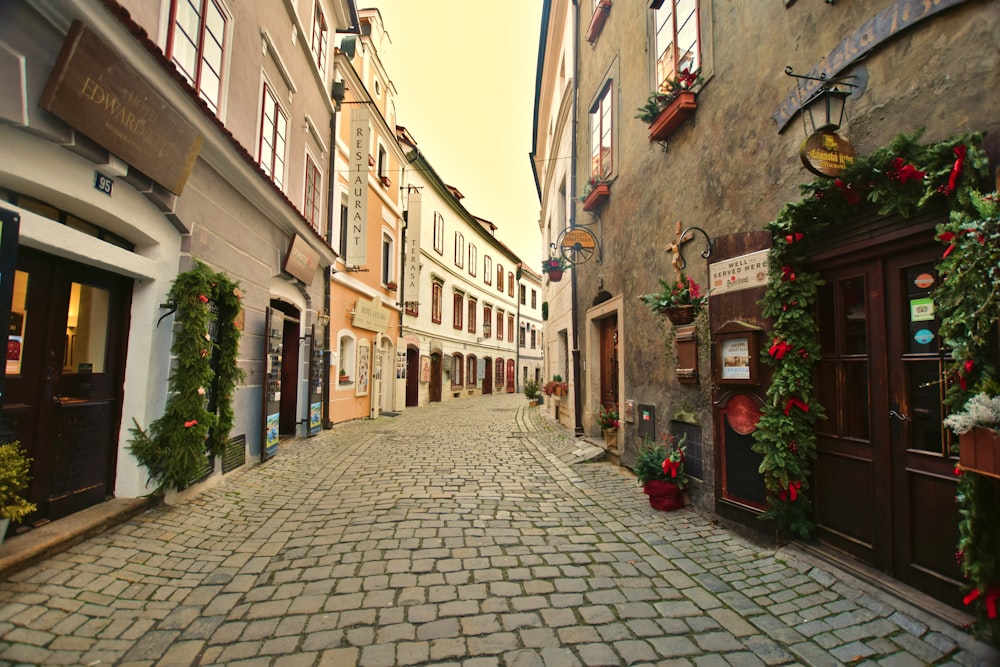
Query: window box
point(385, 181)
point(979, 451)
point(596, 196)
point(673, 115)
point(601, 12)
point(391, 286)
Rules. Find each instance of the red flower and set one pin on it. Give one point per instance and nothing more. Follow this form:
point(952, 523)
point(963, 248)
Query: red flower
point(193, 422)
point(202, 298)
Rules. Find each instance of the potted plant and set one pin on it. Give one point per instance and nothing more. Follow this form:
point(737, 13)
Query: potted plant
point(343, 378)
point(532, 391)
point(978, 429)
point(554, 267)
point(391, 286)
point(595, 191)
point(15, 473)
point(670, 104)
point(659, 467)
point(556, 386)
point(609, 423)
point(680, 301)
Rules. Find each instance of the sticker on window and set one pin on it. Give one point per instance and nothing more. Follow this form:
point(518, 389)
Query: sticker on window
point(924, 280)
point(924, 336)
point(921, 310)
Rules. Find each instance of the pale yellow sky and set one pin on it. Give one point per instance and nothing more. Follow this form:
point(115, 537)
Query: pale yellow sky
point(464, 72)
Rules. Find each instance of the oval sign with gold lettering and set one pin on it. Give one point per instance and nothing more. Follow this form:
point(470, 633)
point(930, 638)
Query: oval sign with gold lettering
point(826, 154)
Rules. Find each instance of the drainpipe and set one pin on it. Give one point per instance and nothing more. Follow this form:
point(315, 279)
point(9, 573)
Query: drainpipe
point(337, 93)
point(574, 313)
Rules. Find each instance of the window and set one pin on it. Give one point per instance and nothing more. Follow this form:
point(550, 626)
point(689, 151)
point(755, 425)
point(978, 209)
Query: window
point(343, 226)
point(438, 233)
point(457, 366)
point(487, 269)
point(499, 325)
point(196, 44)
point(521, 335)
point(524, 294)
point(436, 296)
point(510, 328)
point(472, 315)
point(534, 338)
point(313, 198)
point(458, 310)
point(498, 379)
point(534, 298)
point(273, 130)
point(472, 260)
point(459, 250)
point(500, 277)
point(601, 118)
point(320, 35)
point(383, 164)
point(346, 347)
point(470, 373)
point(510, 284)
point(487, 320)
point(388, 260)
point(678, 47)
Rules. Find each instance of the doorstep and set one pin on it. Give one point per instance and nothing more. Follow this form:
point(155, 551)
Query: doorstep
point(20, 551)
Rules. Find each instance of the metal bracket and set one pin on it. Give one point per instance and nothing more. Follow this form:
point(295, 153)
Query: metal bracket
point(705, 253)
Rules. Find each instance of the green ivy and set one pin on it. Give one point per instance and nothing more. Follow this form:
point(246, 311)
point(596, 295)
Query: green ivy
point(904, 178)
point(173, 448)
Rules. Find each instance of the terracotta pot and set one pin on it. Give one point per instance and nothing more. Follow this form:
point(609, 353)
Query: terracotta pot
point(979, 451)
point(680, 314)
point(596, 196)
point(555, 275)
point(672, 116)
point(663, 495)
point(611, 437)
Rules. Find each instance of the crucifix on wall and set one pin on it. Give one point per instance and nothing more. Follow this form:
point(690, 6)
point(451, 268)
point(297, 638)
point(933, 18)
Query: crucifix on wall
point(674, 247)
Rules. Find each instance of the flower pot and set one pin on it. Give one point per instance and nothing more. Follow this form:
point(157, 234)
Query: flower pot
point(596, 196)
point(555, 275)
point(672, 116)
point(979, 451)
point(680, 314)
point(611, 437)
point(663, 495)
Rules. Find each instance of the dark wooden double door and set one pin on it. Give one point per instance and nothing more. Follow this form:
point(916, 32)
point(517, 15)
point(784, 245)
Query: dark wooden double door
point(884, 478)
point(64, 378)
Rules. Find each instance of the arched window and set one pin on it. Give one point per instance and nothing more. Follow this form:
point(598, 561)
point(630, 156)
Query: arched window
point(457, 368)
point(470, 370)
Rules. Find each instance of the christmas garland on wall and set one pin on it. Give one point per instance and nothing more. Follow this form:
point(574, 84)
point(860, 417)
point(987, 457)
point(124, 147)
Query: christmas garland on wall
point(905, 178)
point(199, 413)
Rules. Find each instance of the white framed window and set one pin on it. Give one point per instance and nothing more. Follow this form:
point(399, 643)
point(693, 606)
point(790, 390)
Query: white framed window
point(678, 44)
point(197, 44)
point(487, 270)
point(388, 259)
point(346, 357)
point(601, 134)
point(320, 36)
point(273, 136)
point(459, 250)
point(313, 199)
point(438, 233)
point(472, 260)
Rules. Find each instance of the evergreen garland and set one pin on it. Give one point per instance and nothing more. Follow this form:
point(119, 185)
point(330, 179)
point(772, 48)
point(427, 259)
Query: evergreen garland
point(906, 177)
point(968, 302)
point(173, 449)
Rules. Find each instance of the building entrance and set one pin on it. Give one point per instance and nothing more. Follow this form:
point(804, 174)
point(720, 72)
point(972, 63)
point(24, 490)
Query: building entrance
point(64, 377)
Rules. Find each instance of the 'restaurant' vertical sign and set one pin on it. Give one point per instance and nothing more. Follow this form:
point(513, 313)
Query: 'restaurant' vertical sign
point(411, 259)
point(357, 217)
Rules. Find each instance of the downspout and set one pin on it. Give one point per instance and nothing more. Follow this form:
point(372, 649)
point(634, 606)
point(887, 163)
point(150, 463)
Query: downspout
point(517, 350)
point(574, 313)
point(337, 94)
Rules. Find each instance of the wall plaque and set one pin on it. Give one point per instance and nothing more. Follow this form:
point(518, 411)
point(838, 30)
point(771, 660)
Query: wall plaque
point(301, 260)
point(94, 91)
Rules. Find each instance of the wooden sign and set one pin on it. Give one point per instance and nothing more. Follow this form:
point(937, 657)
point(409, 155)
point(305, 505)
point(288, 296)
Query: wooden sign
point(826, 154)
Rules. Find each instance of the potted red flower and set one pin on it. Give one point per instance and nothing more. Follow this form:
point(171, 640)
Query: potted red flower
point(669, 105)
point(660, 470)
point(680, 301)
point(554, 267)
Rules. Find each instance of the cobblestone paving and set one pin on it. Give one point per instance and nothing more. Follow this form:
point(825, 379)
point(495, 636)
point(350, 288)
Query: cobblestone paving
point(451, 535)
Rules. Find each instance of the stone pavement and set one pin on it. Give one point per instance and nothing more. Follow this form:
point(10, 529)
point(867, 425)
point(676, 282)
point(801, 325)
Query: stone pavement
point(454, 534)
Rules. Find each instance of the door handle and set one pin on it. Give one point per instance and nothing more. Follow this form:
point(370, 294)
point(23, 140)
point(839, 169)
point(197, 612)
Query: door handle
point(902, 418)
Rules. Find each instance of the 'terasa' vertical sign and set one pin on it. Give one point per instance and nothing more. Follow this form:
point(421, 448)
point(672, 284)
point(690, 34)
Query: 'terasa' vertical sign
point(357, 216)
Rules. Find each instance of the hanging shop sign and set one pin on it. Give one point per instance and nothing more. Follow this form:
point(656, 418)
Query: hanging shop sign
point(738, 273)
point(371, 315)
point(94, 91)
point(411, 259)
point(359, 145)
point(301, 260)
point(826, 154)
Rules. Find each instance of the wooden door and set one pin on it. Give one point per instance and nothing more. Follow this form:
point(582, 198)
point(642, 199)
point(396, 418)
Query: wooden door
point(609, 363)
point(511, 370)
point(884, 481)
point(435, 383)
point(64, 389)
point(288, 421)
point(488, 376)
point(412, 377)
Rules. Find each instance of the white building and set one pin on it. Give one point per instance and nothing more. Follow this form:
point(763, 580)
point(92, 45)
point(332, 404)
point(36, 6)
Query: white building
point(529, 327)
point(459, 294)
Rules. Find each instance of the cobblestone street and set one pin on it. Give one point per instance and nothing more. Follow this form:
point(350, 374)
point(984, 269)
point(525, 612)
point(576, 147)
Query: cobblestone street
point(453, 534)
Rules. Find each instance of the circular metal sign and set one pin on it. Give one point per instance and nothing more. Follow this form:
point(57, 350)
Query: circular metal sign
point(826, 154)
point(577, 244)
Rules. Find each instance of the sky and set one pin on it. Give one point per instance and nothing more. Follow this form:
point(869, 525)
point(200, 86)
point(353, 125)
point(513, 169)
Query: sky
point(464, 73)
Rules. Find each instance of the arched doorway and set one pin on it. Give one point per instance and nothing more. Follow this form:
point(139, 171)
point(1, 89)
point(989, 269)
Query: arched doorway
point(488, 376)
point(511, 371)
point(412, 377)
point(434, 387)
point(288, 419)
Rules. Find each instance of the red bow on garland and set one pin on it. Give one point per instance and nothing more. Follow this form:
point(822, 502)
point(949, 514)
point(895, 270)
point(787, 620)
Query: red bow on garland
point(787, 273)
point(795, 403)
point(671, 467)
point(990, 599)
point(779, 349)
point(792, 494)
point(793, 237)
point(967, 367)
point(960, 152)
point(847, 190)
point(903, 172)
point(193, 422)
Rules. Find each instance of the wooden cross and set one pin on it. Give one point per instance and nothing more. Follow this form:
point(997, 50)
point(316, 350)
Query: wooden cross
point(675, 248)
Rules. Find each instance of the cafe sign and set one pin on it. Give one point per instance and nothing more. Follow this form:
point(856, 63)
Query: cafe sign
point(826, 154)
point(738, 273)
point(97, 93)
point(371, 315)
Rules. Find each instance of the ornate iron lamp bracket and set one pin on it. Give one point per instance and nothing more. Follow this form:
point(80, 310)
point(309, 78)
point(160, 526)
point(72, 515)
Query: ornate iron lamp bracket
point(706, 253)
